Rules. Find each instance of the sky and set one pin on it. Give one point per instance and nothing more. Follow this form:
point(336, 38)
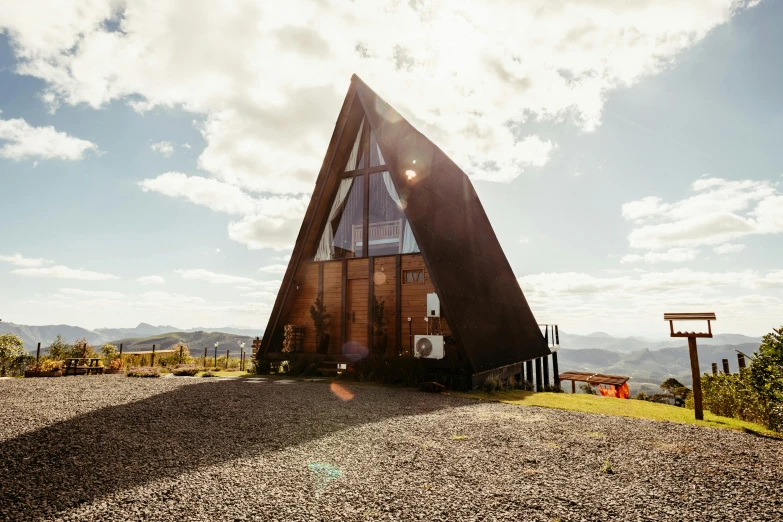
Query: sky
point(157, 157)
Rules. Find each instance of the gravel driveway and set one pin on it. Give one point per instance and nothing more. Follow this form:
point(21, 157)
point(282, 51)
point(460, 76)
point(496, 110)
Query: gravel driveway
point(115, 448)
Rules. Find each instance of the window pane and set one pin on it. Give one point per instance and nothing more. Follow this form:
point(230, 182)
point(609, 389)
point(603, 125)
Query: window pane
point(342, 236)
point(390, 232)
point(376, 158)
point(356, 159)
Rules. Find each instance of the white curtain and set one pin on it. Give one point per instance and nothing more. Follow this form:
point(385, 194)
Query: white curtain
point(326, 247)
point(409, 245)
point(355, 151)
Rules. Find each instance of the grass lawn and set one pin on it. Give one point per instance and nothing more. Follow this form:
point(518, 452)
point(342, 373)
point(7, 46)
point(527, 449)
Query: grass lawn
point(224, 373)
point(618, 407)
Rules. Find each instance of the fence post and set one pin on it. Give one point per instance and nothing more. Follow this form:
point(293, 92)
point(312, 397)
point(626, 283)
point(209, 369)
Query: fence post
point(38, 353)
point(227, 352)
point(152, 359)
point(180, 353)
point(546, 371)
point(555, 369)
point(714, 368)
point(539, 386)
point(696, 374)
point(726, 366)
point(741, 360)
point(242, 361)
point(120, 349)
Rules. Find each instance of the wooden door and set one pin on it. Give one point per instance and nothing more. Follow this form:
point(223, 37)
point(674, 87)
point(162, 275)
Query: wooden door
point(356, 317)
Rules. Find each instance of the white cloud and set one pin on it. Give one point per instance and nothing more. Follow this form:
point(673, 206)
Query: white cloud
point(96, 294)
point(469, 76)
point(719, 211)
point(165, 301)
point(524, 240)
point(462, 72)
point(208, 192)
point(63, 272)
point(166, 148)
point(728, 248)
point(674, 255)
point(151, 280)
point(634, 302)
point(273, 269)
point(264, 294)
point(19, 260)
point(217, 250)
point(212, 277)
point(23, 141)
point(274, 226)
point(186, 145)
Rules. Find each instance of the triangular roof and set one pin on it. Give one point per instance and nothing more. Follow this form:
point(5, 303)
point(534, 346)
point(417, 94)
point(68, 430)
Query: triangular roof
point(479, 294)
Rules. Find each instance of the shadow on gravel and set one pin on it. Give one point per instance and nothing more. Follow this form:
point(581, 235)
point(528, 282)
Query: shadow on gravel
point(117, 448)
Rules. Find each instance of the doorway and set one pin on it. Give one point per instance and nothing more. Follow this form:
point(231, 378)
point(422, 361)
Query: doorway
point(356, 317)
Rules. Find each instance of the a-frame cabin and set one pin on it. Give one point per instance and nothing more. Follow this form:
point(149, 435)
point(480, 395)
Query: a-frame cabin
point(428, 234)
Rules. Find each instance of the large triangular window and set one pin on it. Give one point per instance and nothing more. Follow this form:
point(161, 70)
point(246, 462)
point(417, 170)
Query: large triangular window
point(388, 228)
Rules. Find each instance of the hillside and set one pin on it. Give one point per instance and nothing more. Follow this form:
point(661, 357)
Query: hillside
point(196, 341)
point(604, 341)
point(32, 335)
point(651, 367)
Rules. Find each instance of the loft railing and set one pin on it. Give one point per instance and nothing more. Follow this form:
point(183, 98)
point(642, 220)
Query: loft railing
point(381, 233)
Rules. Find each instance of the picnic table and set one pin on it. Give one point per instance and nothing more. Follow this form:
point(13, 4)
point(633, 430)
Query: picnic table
point(87, 364)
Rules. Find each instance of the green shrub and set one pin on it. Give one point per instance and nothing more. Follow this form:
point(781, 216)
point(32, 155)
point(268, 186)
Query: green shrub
point(58, 350)
point(81, 348)
point(185, 370)
point(492, 384)
point(259, 366)
point(756, 393)
point(209, 373)
point(13, 357)
point(144, 371)
point(588, 389)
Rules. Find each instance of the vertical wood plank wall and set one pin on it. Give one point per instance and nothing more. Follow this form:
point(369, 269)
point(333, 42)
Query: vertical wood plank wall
point(413, 298)
point(385, 285)
point(333, 297)
point(307, 280)
point(414, 302)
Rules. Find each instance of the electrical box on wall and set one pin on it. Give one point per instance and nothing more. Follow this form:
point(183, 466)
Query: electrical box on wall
point(433, 305)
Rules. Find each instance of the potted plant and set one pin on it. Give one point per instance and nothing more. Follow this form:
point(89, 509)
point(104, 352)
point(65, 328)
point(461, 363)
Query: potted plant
point(321, 322)
point(114, 366)
point(47, 368)
point(379, 334)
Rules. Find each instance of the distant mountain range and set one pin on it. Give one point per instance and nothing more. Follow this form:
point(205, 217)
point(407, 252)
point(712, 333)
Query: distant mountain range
point(648, 363)
point(32, 335)
point(604, 341)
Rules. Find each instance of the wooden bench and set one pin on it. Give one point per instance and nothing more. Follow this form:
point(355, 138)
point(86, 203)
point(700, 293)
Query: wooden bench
point(79, 365)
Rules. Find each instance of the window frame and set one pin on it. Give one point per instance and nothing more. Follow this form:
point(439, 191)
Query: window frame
point(405, 273)
point(365, 173)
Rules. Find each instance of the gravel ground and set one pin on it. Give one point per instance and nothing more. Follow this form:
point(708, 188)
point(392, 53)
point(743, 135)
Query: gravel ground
point(114, 448)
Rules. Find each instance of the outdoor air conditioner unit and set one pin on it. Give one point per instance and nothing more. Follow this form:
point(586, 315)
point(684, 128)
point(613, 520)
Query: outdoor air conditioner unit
point(428, 346)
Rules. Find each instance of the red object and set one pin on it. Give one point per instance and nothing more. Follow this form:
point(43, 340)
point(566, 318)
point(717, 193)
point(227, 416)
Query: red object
point(619, 392)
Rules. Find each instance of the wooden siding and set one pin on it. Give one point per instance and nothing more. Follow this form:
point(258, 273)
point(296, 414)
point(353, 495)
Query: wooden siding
point(307, 281)
point(414, 302)
point(332, 299)
point(357, 268)
point(357, 316)
point(385, 289)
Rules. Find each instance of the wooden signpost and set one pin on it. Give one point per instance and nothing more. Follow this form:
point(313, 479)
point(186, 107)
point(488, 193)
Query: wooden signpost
point(708, 316)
